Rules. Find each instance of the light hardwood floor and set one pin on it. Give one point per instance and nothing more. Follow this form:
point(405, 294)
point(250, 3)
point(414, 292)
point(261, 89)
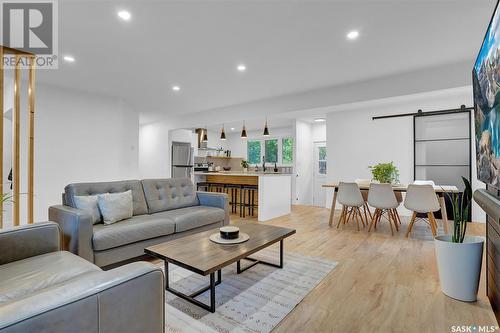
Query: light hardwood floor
point(382, 283)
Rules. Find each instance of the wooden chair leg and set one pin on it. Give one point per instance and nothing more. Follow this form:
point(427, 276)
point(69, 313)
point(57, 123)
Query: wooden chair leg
point(364, 211)
point(367, 208)
point(431, 223)
point(356, 217)
point(434, 223)
point(349, 215)
point(410, 226)
point(374, 218)
point(377, 220)
point(391, 220)
point(394, 217)
point(342, 216)
point(361, 217)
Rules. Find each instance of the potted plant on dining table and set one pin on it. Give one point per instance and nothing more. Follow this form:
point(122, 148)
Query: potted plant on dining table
point(459, 257)
point(385, 173)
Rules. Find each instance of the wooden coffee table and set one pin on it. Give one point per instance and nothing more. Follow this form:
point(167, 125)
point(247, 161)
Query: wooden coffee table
point(200, 255)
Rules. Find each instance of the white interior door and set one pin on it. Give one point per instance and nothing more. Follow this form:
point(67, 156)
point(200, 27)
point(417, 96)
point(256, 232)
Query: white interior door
point(319, 177)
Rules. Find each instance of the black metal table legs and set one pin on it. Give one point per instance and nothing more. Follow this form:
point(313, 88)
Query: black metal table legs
point(191, 297)
point(255, 262)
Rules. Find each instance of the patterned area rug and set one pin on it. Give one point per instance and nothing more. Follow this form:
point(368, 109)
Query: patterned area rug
point(253, 301)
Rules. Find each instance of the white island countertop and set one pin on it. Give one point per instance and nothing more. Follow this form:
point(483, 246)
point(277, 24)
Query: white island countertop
point(240, 173)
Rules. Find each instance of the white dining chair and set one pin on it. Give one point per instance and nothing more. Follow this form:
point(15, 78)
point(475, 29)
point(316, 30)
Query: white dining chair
point(351, 199)
point(364, 193)
point(382, 198)
point(422, 199)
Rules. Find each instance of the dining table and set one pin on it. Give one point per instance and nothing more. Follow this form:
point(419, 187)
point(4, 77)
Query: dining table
point(440, 190)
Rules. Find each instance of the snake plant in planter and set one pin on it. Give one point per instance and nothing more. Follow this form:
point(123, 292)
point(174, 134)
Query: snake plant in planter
point(459, 257)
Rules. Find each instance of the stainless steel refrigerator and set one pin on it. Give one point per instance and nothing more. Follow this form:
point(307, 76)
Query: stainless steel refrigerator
point(182, 160)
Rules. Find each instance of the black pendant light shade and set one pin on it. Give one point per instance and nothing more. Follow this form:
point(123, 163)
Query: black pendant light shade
point(244, 132)
point(266, 130)
point(222, 134)
point(205, 136)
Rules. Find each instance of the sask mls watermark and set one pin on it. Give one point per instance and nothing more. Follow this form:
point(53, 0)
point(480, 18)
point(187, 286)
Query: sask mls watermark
point(30, 26)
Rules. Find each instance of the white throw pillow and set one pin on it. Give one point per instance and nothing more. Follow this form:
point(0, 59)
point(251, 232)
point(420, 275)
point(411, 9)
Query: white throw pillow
point(88, 203)
point(115, 206)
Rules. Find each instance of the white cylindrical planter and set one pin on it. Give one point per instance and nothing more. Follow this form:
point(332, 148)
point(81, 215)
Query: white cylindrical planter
point(459, 266)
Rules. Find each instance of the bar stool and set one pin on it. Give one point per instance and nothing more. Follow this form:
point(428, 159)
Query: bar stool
point(217, 187)
point(250, 190)
point(232, 192)
point(242, 201)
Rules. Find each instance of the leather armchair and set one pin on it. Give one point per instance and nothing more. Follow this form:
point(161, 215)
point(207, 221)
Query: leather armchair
point(77, 228)
point(28, 241)
point(43, 289)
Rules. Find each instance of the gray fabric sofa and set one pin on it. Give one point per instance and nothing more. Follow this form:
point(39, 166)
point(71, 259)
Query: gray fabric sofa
point(43, 289)
point(163, 209)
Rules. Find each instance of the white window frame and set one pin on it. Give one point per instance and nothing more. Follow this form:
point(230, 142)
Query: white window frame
point(280, 150)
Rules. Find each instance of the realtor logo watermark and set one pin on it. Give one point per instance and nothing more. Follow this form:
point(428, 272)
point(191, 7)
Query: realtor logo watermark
point(474, 328)
point(30, 26)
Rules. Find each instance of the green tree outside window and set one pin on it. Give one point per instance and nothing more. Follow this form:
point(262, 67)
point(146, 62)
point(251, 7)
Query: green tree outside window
point(287, 151)
point(253, 152)
point(271, 150)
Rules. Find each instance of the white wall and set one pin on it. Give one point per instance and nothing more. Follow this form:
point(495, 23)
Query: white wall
point(78, 138)
point(355, 141)
point(319, 132)
point(303, 163)
point(154, 150)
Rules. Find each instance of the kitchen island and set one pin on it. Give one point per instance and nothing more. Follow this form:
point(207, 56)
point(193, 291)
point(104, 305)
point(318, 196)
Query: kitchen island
point(273, 194)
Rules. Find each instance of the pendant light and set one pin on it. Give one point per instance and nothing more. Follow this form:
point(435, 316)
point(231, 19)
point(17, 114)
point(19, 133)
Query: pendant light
point(266, 130)
point(205, 135)
point(222, 133)
point(244, 131)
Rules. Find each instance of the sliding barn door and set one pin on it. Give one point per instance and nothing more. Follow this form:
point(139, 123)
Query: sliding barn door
point(442, 148)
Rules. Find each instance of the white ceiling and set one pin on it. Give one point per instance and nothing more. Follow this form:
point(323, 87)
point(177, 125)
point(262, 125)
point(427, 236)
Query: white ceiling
point(288, 47)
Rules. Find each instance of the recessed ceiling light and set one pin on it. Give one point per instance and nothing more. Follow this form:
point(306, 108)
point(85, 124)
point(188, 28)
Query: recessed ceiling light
point(233, 129)
point(124, 15)
point(69, 58)
point(241, 68)
point(319, 120)
point(176, 88)
point(352, 35)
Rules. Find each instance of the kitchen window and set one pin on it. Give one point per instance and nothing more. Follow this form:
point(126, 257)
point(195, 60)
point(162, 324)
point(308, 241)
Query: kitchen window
point(287, 151)
point(322, 160)
point(279, 151)
point(253, 152)
point(271, 151)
